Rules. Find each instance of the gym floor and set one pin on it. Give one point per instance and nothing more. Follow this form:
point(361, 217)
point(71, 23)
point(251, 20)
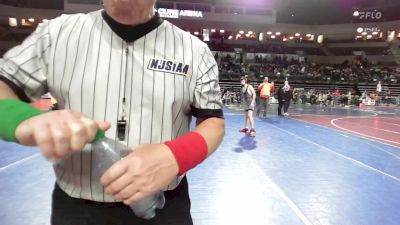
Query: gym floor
point(321, 165)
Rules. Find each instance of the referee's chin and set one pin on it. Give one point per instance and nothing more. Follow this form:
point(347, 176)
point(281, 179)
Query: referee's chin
point(130, 12)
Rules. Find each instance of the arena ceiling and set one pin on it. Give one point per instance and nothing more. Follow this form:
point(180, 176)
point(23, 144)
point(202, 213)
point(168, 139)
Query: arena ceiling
point(313, 12)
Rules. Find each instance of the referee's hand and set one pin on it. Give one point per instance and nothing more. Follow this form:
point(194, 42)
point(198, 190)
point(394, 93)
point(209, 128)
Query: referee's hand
point(147, 170)
point(59, 133)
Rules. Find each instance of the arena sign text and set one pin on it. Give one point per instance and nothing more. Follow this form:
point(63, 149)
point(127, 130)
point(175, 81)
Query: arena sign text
point(176, 13)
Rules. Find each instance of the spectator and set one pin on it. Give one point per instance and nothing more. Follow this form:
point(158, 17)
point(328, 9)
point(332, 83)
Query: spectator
point(285, 96)
point(265, 90)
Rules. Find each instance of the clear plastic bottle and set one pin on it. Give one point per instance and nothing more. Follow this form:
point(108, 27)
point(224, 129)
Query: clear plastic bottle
point(146, 208)
point(106, 152)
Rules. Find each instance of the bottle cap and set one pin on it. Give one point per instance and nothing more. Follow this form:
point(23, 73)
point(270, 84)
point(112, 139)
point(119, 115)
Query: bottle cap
point(99, 135)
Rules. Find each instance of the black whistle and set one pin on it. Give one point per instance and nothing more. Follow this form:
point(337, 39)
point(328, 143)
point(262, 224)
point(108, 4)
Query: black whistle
point(121, 129)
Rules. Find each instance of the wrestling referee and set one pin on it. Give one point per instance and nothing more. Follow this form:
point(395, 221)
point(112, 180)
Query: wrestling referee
point(125, 70)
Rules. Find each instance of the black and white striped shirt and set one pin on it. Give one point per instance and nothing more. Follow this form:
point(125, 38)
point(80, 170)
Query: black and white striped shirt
point(90, 63)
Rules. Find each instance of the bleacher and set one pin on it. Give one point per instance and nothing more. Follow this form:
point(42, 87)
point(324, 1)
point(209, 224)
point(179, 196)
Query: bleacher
point(305, 50)
point(367, 50)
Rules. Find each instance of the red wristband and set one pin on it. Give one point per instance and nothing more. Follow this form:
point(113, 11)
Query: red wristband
point(189, 151)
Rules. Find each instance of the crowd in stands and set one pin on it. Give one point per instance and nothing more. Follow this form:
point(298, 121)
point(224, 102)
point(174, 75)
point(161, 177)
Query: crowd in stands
point(278, 68)
point(344, 98)
point(275, 48)
point(332, 97)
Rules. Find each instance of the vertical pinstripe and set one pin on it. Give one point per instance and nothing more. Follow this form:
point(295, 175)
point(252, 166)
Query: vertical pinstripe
point(191, 85)
point(81, 108)
point(174, 37)
point(84, 65)
point(142, 95)
point(56, 43)
point(184, 85)
point(62, 97)
point(163, 96)
point(74, 66)
point(152, 97)
point(107, 89)
point(119, 84)
point(131, 90)
point(94, 103)
point(67, 181)
point(66, 57)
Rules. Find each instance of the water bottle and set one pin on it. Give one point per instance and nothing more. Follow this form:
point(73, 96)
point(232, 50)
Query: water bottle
point(106, 152)
point(146, 208)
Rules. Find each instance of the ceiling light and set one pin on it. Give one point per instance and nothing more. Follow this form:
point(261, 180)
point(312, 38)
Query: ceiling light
point(261, 37)
point(297, 34)
point(25, 23)
point(364, 33)
point(196, 33)
point(291, 37)
point(269, 32)
point(222, 31)
point(31, 20)
point(241, 32)
point(13, 22)
point(250, 32)
point(360, 30)
point(212, 30)
point(273, 36)
point(278, 33)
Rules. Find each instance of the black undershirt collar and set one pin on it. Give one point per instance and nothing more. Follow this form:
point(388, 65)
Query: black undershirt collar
point(132, 33)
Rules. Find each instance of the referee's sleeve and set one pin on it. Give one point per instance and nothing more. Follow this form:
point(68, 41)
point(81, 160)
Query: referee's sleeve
point(207, 97)
point(24, 67)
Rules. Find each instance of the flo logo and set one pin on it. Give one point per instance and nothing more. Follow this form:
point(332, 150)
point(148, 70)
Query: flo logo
point(365, 15)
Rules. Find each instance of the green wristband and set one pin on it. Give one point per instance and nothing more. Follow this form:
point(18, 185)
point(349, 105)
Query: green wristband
point(12, 113)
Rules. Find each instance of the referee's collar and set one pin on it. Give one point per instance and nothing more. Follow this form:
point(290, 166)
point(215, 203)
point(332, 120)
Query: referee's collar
point(132, 33)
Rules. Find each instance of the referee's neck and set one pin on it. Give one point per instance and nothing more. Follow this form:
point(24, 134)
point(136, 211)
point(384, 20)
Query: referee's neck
point(132, 33)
